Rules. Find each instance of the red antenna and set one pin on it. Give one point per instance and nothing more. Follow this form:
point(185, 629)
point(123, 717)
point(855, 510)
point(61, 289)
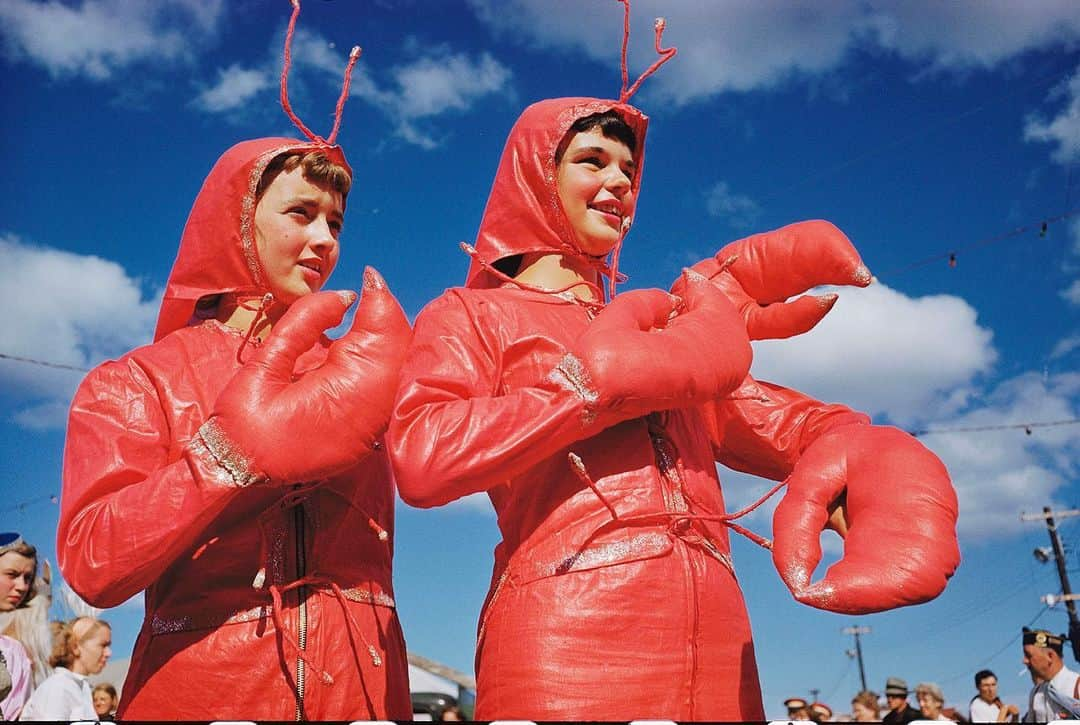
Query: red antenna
point(665, 54)
point(353, 56)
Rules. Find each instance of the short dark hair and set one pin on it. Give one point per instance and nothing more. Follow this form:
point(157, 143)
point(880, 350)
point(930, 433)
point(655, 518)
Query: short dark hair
point(611, 125)
point(982, 675)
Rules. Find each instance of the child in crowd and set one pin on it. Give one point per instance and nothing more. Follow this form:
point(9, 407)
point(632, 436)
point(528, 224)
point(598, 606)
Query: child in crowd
point(82, 648)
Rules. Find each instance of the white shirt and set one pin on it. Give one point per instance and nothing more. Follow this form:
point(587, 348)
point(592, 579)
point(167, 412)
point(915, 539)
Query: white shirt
point(64, 695)
point(1042, 707)
point(983, 711)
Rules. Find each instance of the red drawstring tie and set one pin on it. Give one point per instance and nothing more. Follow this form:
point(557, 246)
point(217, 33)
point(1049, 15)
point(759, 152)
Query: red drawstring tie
point(593, 306)
point(675, 518)
point(318, 581)
point(259, 312)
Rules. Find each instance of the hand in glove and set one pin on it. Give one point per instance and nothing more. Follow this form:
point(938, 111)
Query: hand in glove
point(900, 546)
point(760, 272)
point(265, 424)
point(643, 353)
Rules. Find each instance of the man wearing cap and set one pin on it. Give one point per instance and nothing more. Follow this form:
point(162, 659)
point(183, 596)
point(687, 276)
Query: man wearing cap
point(797, 708)
point(1057, 695)
point(896, 693)
point(987, 706)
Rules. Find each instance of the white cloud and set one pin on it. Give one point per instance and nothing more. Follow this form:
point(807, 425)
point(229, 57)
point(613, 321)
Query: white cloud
point(430, 86)
point(885, 353)
point(235, 87)
point(738, 210)
point(1065, 346)
point(1000, 473)
point(98, 37)
point(743, 45)
point(68, 309)
point(1071, 294)
point(1064, 129)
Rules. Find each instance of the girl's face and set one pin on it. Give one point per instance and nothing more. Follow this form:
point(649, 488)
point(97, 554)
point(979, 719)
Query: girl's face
point(16, 576)
point(862, 713)
point(92, 653)
point(930, 705)
point(297, 224)
point(103, 703)
point(594, 184)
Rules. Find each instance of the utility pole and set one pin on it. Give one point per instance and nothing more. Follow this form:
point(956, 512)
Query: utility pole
point(858, 650)
point(1059, 558)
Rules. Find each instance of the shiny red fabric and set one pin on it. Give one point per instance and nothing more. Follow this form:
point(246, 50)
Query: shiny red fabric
point(613, 593)
point(237, 579)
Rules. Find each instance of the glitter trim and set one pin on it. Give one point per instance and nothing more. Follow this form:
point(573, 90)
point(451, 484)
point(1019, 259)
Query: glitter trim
point(227, 455)
point(173, 625)
point(366, 596)
point(247, 209)
point(607, 554)
point(217, 475)
point(571, 375)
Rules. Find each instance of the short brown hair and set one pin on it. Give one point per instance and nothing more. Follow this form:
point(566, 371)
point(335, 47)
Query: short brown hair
point(318, 168)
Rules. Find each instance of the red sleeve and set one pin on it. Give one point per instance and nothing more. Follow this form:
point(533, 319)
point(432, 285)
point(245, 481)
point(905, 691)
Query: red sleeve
point(454, 430)
point(133, 498)
point(764, 428)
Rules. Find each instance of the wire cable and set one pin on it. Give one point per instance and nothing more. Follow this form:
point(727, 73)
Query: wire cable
point(42, 363)
point(1028, 427)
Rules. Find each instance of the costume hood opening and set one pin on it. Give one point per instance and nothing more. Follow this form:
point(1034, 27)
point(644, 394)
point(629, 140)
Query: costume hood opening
point(217, 250)
point(523, 212)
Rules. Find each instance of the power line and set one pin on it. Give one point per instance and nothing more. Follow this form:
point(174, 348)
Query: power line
point(1028, 427)
point(22, 505)
point(1042, 225)
point(967, 672)
point(42, 363)
point(903, 141)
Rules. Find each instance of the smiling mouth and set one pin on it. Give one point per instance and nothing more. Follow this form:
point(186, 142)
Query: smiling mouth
point(312, 264)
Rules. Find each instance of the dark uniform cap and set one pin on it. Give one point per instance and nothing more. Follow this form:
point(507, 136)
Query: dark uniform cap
point(795, 703)
point(1043, 638)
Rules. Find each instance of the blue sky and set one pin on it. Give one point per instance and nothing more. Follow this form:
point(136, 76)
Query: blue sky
point(918, 127)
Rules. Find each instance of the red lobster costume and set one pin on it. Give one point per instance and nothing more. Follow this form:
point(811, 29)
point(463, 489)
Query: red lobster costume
point(595, 433)
point(237, 484)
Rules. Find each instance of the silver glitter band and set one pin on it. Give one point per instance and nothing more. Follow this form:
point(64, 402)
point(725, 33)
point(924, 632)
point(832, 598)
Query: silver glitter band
point(607, 554)
point(571, 375)
point(172, 625)
point(227, 455)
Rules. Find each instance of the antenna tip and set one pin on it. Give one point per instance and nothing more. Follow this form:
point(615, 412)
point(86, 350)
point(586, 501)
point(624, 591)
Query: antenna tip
point(355, 52)
point(295, 4)
point(660, 23)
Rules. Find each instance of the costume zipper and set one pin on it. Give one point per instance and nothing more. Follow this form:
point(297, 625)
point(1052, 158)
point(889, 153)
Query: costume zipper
point(671, 484)
point(301, 593)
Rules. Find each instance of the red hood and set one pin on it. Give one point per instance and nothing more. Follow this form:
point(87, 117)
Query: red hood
point(217, 251)
point(523, 212)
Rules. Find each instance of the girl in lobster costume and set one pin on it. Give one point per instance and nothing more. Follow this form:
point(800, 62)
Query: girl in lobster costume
point(595, 428)
point(232, 469)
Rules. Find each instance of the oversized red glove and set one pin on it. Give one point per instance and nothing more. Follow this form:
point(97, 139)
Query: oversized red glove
point(266, 425)
point(760, 272)
point(650, 351)
point(900, 546)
